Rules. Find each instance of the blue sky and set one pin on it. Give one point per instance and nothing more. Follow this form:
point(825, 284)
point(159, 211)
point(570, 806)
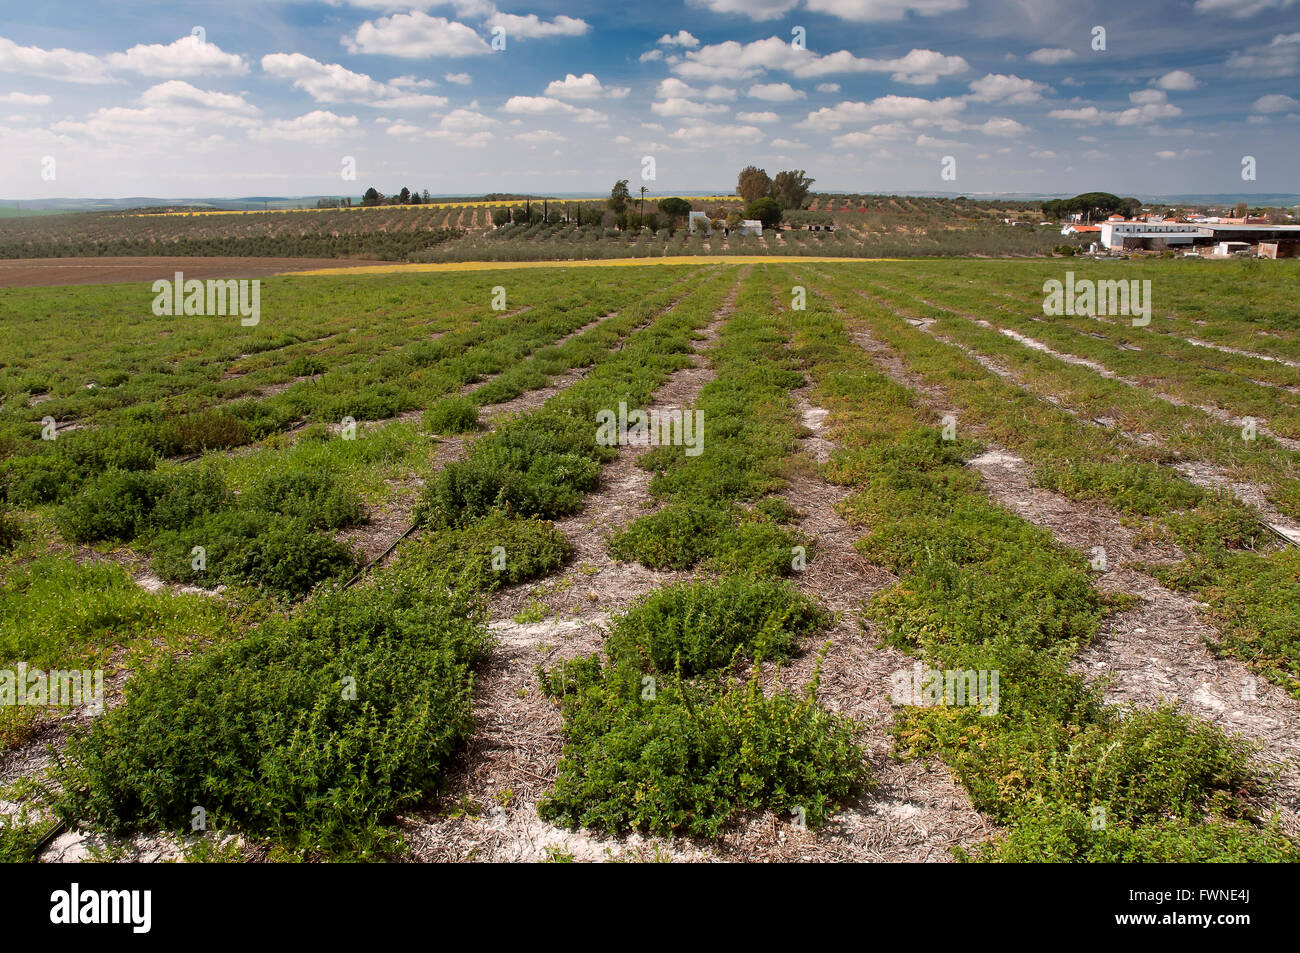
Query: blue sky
point(266, 98)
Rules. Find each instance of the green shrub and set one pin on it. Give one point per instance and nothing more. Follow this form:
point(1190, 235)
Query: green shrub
point(676, 537)
point(114, 506)
point(186, 494)
point(312, 496)
point(692, 757)
point(452, 415)
point(697, 627)
point(531, 548)
point(252, 547)
point(313, 730)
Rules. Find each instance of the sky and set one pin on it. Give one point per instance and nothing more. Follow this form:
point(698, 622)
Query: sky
point(240, 98)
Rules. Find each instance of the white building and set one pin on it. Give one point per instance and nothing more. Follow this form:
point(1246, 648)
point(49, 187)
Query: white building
point(1172, 233)
point(697, 219)
point(751, 226)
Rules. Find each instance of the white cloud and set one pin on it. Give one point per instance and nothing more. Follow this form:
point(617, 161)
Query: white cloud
point(1003, 127)
point(787, 144)
point(1240, 8)
point(685, 107)
point(650, 55)
point(183, 57)
point(698, 131)
point(1001, 87)
point(330, 83)
point(178, 94)
point(460, 79)
point(754, 9)
point(1177, 81)
point(735, 61)
point(415, 35)
point(586, 86)
point(1280, 57)
point(538, 136)
point(1051, 56)
point(1275, 103)
point(758, 117)
point(66, 65)
point(775, 92)
point(866, 11)
point(830, 118)
point(317, 126)
point(672, 88)
point(545, 106)
point(828, 87)
point(532, 27)
point(1127, 117)
point(25, 99)
point(680, 38)
point(1144, 96)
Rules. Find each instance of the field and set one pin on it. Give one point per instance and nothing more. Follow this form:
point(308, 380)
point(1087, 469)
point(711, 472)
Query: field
point(864, 227)
point(907, 570)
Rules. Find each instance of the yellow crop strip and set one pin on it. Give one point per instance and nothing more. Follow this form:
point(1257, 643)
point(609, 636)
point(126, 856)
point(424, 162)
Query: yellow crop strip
point(403, 268)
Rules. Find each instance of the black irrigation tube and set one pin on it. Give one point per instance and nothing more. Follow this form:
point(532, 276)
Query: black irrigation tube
point(391, 546)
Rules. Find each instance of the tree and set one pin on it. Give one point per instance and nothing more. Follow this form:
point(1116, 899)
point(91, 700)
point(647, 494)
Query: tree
point(618, 197)
point(766, 210)
point(675, 208)
point(372, 197)
point(791, 188)
point(500, 216)
point(753, 183)
point(1239, 210)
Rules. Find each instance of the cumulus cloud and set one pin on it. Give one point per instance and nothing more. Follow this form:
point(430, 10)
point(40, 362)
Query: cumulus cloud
point(703, 132)
point(672, 87)
point(546, 106)
point(1240, 8)
point(317, 126)
point(736, 61)
point(1050, 56)
point(1001, 87)
point(586, 86)
point(830, 118)
point(25, 99)
point(460, 79)
point(680, 38)
point(1279, 57)
point(415, 35)
point(533, 27)
point(1177, 81)
point(1275, 103)
point(183, 57)
point(331, 83)
point(66, 65)
point(775, 92)
point(675, 107)
point(758, 117)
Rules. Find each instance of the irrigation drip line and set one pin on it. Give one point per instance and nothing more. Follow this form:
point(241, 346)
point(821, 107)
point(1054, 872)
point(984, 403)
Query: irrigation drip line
point(391, 546)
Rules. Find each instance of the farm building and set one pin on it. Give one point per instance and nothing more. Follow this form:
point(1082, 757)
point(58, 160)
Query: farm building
point(697, 220)
point(1149, 235)
point(1074, 231)
point(751, 226)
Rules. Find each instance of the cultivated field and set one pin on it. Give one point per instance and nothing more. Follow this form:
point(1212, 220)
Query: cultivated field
point(915, 573)
point(876, 226)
